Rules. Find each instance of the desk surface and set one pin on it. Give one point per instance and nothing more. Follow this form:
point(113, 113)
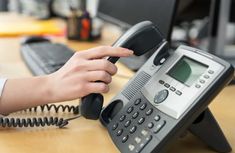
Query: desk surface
point(82, 136)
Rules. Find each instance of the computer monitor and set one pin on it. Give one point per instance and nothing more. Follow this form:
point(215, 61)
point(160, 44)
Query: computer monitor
point(126, 13)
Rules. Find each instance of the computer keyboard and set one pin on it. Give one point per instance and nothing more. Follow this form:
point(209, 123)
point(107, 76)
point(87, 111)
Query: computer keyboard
point(45, 57)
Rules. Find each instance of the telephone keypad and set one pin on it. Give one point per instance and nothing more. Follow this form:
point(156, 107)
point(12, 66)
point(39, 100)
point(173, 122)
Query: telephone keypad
point(125, 138)
point(141, 120)
point(119, 132)
point(137, 101)
point(149, 112)
point(133, 129)
point(115, 126)
point(137, 125)
point(135, 115)
point(128, 123)
point(130, 109)
point(122, 118)
point(143, 106)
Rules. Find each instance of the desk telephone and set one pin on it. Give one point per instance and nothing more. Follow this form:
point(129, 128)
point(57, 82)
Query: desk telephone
point(168, 95)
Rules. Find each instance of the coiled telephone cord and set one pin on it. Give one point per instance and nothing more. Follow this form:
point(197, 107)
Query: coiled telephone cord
point(42, 121)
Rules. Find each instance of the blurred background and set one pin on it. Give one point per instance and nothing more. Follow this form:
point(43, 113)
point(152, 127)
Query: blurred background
point(206, 24)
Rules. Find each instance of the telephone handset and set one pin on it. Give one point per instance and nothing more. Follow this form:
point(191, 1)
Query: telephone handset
point(141, 38)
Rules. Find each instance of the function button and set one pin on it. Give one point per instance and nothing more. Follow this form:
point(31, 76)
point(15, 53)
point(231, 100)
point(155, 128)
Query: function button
point(198, 86)
point(202, 81)
point(206, 76)
point(157, 118)
point(133, 129)
point(115, 126)
point(172, 88)
point(143, 106)
point(150, 125)
point(166, 85)
point(141, 120)
point(137, 101)
point(137, 140)
point(119, 132)
point(130, 109)
point(125, 138)
point(159, 126)
point(160, 96)
point(144, 132)
point(122, 118)
point(127, 123)
point(178, 92)
point(131, 147)
point(161, 81)
point(162, 60)
point(148, 138)
point(135, 115)
point(211, 72)
point(143, 144)
point(149, 112)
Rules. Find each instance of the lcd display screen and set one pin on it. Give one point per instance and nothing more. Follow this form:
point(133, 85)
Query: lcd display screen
point(187, 71)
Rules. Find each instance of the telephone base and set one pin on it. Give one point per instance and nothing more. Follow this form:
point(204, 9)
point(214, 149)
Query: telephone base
point(206, 128)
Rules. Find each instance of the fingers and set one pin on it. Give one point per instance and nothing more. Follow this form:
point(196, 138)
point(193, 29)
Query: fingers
point(101, 65)
point(103, 76)
point(104, 51)
point(97, 87)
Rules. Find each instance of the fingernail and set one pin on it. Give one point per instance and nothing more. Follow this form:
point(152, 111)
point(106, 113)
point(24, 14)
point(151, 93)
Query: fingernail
point(130, 51)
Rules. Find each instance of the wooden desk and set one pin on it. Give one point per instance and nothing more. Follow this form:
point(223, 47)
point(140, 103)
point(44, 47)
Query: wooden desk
point(85, 136)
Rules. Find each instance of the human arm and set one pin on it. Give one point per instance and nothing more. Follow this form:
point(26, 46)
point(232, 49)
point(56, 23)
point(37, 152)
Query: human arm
point(77, 78)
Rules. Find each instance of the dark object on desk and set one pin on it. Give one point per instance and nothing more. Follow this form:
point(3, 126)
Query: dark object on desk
point(79, 25)
point(45, 57)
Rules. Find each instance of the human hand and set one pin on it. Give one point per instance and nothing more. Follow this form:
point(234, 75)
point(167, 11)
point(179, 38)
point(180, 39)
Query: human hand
point(79, 76)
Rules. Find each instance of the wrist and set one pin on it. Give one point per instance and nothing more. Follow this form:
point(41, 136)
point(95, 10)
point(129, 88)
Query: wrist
point(48, 93)
point(52, 91)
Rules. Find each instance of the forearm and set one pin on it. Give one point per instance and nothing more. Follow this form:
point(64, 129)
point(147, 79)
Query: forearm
point(23, 93)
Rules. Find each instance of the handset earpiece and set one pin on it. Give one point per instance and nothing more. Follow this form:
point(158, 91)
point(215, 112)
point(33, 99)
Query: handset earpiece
point(141, 38)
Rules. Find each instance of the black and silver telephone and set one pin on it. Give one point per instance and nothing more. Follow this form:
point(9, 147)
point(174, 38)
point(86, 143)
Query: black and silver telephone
point(168, 95)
